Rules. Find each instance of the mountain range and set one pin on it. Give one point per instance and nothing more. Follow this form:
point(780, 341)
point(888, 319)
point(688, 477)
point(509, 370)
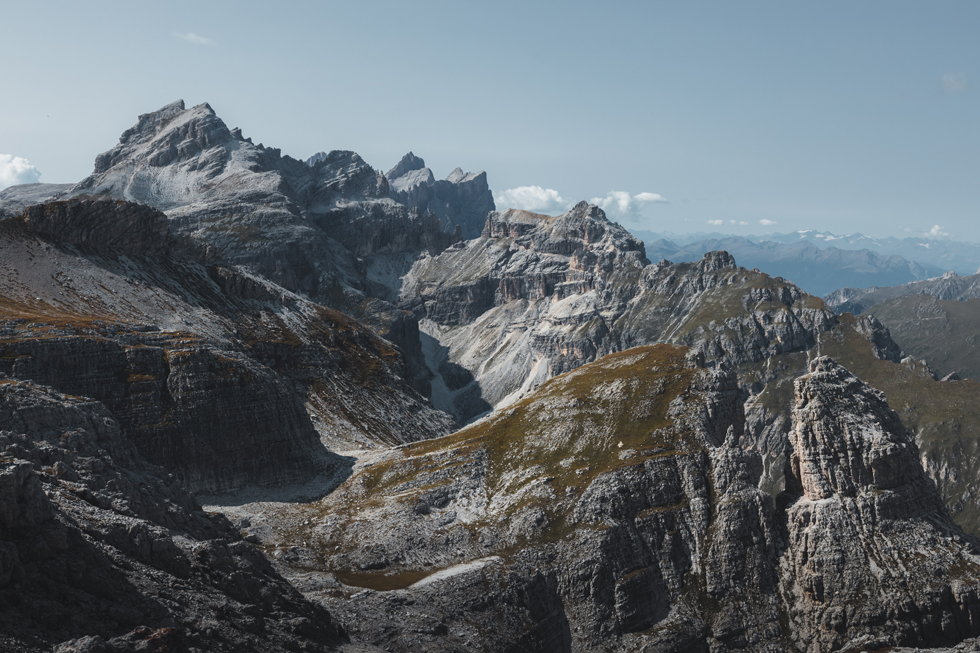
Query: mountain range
point(935, 250)
point(936, 320)
point(817, 268)
point(417, 423)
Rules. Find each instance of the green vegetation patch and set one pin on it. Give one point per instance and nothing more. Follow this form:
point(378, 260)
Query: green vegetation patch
point(593, 415)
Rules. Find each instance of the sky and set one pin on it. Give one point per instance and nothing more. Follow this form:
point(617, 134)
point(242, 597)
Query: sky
point(741, 117)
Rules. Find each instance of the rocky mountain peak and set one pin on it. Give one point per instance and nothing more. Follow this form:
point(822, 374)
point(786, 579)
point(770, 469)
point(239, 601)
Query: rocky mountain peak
point(869, 531)
point(461, 200)
point(316, 158)
point(172, 133)
point(847, 441)
point(719, 260)
point(457, 176)
point(408, 163)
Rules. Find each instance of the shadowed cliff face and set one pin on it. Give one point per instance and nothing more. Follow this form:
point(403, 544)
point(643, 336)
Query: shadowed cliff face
point(222, 377)
point(100, 551)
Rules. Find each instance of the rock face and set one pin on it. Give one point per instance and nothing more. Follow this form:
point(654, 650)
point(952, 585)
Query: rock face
point(536, 296)
point(615, 508)
point(100, 551)
point(102, 225)
point(463, 199)
point(871, 550)
point(330, 228)
point(221, 377)
point(603, 511)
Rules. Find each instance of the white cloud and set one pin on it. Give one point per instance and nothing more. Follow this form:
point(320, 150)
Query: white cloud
point(743, 223)
point(15, 170)
point(936, 232)
point(619, 203)
point(194, 38)
point(767, 223)
point(649, 197)
point(531, 198)
point(716, 223)
point(954, 82)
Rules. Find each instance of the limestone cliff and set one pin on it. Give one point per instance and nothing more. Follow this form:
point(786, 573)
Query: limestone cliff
point(222, 377)
point(101, 552)
point(461, 200)
point(871, 550)
point(536, 296)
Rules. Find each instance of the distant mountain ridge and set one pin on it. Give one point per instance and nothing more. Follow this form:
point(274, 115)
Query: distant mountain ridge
point(937, 319)
point(815, 269)
point(958, 256)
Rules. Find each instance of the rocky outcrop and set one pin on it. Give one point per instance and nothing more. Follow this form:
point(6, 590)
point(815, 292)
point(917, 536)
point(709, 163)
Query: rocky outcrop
point(871, 549)
point(462, 200)
point(101, 552)
point(102, 225)
point(605, 510)
point(216, 419)
point(615, 507)
point(330, 228)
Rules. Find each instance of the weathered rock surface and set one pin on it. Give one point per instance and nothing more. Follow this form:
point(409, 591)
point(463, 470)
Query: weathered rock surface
point(871, 550)
point(463, 199)
point(330, 229)
point(615, 508)
point(100, 551)
point(222, 377)
point(536, 296)
point(605, 511)
point(102, 225)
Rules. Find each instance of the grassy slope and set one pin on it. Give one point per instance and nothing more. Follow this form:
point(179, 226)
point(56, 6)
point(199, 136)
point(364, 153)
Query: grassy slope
point(606, 415)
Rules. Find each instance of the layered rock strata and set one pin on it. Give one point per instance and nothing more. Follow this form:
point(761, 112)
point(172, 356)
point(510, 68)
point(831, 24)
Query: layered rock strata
point(222, 377)
point(101, 552)
point(537, 295)
point(871, 550)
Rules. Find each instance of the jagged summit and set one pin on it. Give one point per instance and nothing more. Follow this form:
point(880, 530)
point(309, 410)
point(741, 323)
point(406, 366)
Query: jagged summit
point(867, 530)
point(462, 198)
point(406, 164)
point(847, 441)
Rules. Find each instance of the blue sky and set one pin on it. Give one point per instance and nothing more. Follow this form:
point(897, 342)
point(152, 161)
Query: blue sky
point(837, 116)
